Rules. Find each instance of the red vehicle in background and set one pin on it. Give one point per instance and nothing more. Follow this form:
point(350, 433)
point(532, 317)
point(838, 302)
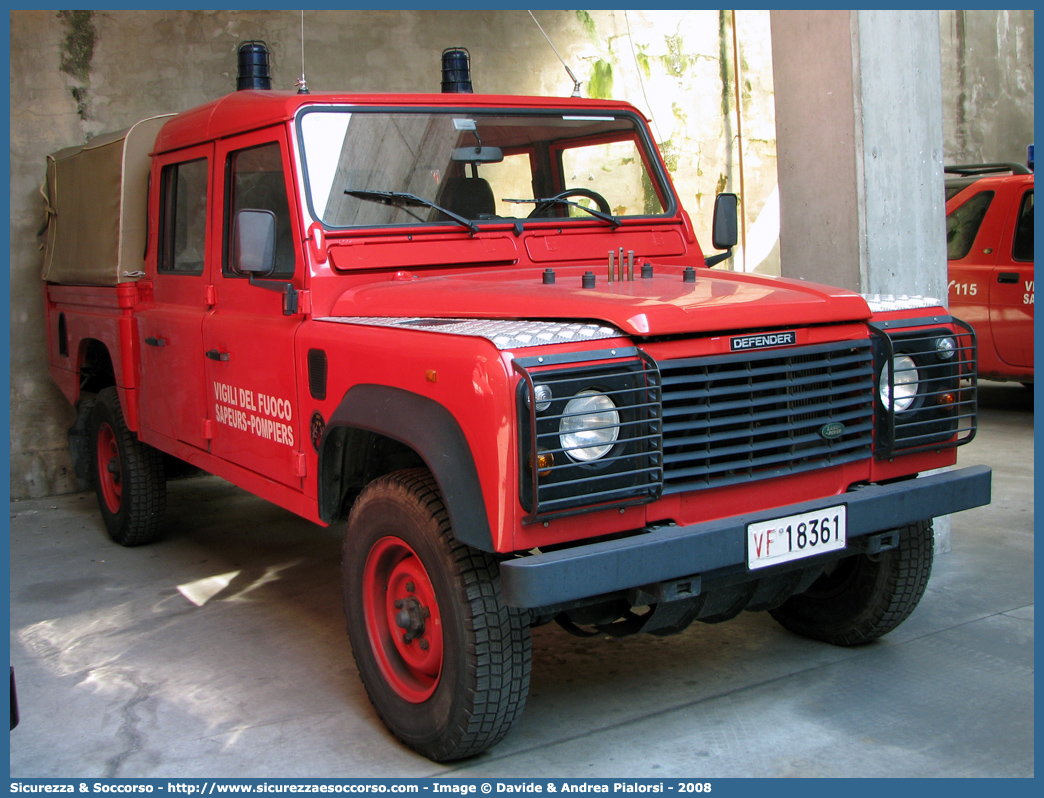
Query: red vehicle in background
point(989, 240)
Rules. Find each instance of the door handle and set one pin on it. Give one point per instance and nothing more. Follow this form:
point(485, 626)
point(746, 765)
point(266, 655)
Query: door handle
point(214, 354)
point(152, 340)
point(1008, 277)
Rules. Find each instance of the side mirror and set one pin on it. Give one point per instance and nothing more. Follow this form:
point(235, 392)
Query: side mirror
point(253, 242)
point(725, 233)
point(253, 252)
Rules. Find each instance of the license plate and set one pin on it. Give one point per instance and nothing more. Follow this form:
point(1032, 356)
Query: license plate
point(796, 536)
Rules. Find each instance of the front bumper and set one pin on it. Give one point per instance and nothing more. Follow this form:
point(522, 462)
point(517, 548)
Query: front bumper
point(667, 553)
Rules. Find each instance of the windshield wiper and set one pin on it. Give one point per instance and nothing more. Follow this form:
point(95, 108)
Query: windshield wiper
point(605, 217)
point(402, 199)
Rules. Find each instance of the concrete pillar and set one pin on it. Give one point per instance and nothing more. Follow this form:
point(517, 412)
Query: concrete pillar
point(859, 148)
point(859, 143)
point(816, 148)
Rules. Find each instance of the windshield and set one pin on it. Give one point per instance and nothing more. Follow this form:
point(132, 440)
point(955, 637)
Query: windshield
point(472, 165)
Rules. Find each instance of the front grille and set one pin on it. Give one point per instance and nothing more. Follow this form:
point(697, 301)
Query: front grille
point(753, 416)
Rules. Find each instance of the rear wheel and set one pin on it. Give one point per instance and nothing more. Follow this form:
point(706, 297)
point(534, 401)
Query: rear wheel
point(864, 596)
point(444, 662)
point(127, 475)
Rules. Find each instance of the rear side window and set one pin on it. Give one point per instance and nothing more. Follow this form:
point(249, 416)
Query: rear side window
point(1023, 247)
point(963, 225)
point(256, 182)
point(183, 217)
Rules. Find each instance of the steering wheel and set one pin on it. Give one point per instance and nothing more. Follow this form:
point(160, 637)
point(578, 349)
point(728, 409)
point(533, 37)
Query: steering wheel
point(597, 198)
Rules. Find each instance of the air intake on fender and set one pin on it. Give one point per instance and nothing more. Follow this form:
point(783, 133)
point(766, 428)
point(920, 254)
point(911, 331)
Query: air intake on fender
point(253, 67)
point(317, 370)
point(456, 71)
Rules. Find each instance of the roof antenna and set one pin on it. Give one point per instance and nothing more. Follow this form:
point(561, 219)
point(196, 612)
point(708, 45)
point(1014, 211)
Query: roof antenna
point(576, 83)
point(302, 84)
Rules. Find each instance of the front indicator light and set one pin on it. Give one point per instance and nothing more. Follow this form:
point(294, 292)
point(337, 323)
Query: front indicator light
point(945, 347)
point(543, 398)
point(589, 427)
point(545, 462)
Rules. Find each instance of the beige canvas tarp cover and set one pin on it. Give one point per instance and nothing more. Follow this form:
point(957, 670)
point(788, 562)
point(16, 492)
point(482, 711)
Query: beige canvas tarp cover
point(96, 207)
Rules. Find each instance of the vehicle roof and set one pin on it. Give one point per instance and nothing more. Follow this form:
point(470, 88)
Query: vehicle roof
point(973, 169)
point(984, 176)
point(243, 111)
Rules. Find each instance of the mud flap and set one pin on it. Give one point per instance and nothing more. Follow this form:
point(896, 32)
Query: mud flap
point(79, 445)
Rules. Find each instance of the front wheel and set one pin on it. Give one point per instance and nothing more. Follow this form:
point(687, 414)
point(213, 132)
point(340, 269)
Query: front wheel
point(127, 475)
point(864, 596)
point(444, 662)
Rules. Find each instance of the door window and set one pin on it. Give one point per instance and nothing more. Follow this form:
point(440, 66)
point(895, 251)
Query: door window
point(963, 225)
point(183, 217)
point(1023, 246)
point(256, 182)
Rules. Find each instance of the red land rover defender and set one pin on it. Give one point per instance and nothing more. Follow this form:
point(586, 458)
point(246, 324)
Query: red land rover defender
point(479, 334)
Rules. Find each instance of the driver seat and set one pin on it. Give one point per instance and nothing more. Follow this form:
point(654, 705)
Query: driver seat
point(470, 197)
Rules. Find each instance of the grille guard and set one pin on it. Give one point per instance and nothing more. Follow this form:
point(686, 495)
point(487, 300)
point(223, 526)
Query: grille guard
point(933, 423)
point(631, 473)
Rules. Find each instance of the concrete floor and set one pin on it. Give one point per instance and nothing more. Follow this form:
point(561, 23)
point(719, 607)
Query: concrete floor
point(221, 652)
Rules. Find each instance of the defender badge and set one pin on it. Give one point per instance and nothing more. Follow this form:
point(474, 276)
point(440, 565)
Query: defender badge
point(742, 343)
point(832, 431)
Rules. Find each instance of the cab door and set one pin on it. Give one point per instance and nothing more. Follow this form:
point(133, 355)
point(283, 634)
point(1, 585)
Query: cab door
point(973, 230)
point(1011, 286)
point(170, 328)
point(248, 342)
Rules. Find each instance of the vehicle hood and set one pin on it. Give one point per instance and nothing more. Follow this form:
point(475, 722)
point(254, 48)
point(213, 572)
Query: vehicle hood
point(662, 305)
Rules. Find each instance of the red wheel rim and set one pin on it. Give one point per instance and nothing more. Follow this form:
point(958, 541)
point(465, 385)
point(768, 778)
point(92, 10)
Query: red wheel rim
point(110, 475)
point(402, 619)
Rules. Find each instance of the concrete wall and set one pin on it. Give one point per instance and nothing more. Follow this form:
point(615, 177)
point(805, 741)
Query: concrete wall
point(987, 67)
point(75, 74)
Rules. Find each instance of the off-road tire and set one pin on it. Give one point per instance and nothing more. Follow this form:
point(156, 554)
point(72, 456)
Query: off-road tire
point(466, 699)
point(864, 596)
point(127, 475)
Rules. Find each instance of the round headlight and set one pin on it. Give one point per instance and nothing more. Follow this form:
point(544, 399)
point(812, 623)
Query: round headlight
point(902, 372)
point(589, 427)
